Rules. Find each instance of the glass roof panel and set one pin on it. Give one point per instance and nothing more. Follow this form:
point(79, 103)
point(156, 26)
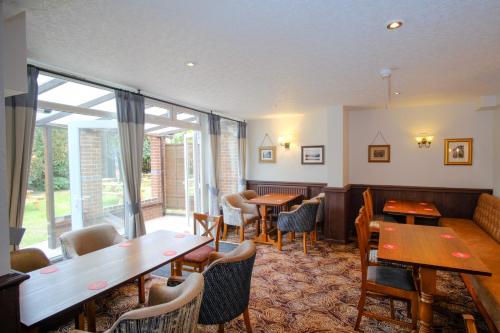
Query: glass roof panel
point(73, 117)
point(41, 114)
point(164, 130)
point(71, 93)
point(149, 125)
point(156, 111)
point(108, 106)
point(43, 79)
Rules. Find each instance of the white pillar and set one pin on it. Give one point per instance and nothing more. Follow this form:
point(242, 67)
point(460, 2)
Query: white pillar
point(337, 151)
point(4, 218)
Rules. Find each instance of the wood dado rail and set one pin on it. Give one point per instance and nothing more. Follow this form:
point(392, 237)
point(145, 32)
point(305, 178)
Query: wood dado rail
point(342, 204)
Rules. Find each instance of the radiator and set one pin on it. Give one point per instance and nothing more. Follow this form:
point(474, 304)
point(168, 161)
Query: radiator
point(282, 189)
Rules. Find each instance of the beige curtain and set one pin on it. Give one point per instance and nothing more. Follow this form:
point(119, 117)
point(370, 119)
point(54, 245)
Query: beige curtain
point(20, 117)
point(242, 156)
point(213, 164)
point(131, 116)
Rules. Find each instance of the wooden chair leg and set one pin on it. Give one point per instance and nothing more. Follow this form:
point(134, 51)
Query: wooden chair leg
point(142, 292)
point(172, 268)
point(414, 312)
point(90, 314)
point(361, 306)
point(178, 267)
point(221, 328)
point(304, 242)
point(280, 240)
point(242, 234)
point(292, 235)
point(313, 237)
point(246, 318)
point(224, 233)
point(391, 303)
point(80, 321)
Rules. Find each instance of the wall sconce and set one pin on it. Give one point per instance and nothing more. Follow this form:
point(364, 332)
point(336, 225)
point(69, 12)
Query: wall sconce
point(424, 141)
point(285, 141)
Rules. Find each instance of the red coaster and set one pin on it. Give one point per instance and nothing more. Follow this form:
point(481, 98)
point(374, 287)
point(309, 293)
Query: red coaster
point(460, 255)
point(169, 253)
point(125, 244)
point(49, 269)
point(97, 285)
point(389, 246)
point(180, 235)
point(423, 203)
point(412, 212)
point(391, 207)
point(429, 209)
point(391, 201)
point(447, 236)
point(389, 229)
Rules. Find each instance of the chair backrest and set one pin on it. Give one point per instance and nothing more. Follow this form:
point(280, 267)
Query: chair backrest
point(208, 225)
point(364, 249)
point(231, 209)
point(89, 239)
point(249, 194)
point(28, 260)
point(365, 222)
point(302, 219)
point(368, 202)
point(171, 309)
point(487, 215)
point(320, 215)
point(227, 285)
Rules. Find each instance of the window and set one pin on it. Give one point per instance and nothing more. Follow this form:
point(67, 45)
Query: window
point(228, 157)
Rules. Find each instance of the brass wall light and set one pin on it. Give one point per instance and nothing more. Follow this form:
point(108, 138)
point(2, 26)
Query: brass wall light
point(424, 141)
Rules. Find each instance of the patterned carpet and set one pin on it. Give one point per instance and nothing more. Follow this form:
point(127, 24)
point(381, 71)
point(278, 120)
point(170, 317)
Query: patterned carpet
point(292, 292)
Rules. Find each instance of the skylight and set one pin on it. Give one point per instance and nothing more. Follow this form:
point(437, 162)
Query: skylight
point(71, 118)
point(43, 79)
point(149, 125)
point(71, 93)
point(156, 111)
point(108, 106)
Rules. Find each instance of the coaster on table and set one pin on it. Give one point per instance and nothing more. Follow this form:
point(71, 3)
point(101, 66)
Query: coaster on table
point(125, 244)
point(391, 201)
point(460, 255)
point(389, 228)
point(391, 207)
point(49, 270)
point(389, 246)
point(97, 285)
point(412, 212)
point(423, 203)
point(169, 253)
point(180, 235)
point(429, 209)
point(447, 236)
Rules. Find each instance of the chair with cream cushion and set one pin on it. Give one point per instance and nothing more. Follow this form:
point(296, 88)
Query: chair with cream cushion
point(249, 194)
point(79, 242)
point(238, 213)
point(170, 309)
point(28, 260)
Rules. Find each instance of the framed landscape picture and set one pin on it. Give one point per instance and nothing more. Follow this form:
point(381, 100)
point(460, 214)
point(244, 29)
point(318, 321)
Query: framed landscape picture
point(313, 154)
point(267, 154)
point(458, 151)
point(379, 153)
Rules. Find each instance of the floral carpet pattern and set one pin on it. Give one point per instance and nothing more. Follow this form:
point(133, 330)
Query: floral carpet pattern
point(318, 292)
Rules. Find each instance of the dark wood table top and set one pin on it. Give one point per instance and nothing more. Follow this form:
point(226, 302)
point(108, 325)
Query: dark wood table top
point(273, 199)
point(416, 208)
point(433, 247)
point(44, 294)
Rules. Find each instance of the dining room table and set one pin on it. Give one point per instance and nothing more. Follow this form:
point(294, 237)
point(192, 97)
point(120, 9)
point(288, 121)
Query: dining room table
point(411, 209)
point(265, 201)
point(73, 285)
point(429, 249)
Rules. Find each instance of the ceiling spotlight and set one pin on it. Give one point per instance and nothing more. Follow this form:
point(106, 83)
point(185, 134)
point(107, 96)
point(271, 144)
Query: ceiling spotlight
point(190, 64)
point(397, 93)
point(393, 25)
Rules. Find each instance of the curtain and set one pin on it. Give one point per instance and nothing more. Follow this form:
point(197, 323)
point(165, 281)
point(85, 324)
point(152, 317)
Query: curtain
point(20, 121)
point(242, 156)
point(131, 116)
point(213, 165)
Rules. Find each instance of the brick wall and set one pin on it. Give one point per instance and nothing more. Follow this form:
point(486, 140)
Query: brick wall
point(153, 207)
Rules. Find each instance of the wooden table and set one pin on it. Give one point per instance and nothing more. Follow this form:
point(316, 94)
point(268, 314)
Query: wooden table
point(411, 209)
point(270, 200)
point(430, 249)
point(44, 296)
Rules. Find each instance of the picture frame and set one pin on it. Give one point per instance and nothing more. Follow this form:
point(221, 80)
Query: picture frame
point(379, 153)
point(267, 154)
point(313, 155)
point(458, 151)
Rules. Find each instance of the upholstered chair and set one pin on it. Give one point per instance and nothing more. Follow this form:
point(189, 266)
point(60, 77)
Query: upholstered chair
point(238, 213)
point(227, 286)
point(79, 242)
point(249, 194)
point(302, 219)
point(28, 260)
point(320, 215)
point(170, 309)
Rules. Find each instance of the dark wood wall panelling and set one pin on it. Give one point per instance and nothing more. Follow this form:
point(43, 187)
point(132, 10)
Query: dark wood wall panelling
point(342, 204)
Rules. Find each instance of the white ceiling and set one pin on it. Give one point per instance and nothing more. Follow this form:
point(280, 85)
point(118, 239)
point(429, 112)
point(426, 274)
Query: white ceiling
point(258, 58)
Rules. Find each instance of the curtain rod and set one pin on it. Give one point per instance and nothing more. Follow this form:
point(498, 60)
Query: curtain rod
point(75, 77)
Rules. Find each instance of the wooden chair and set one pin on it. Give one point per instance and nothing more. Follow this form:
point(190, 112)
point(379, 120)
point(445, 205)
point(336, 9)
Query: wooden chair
point(198, 259)
point(374, 220)
point(395, 283)
point(470, 325)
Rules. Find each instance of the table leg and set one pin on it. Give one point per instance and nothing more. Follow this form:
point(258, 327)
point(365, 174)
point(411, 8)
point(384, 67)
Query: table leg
point(263, 223)
point(410, 219)
point(142, 292)
point(80, 321)
point(427, 290)
point(90, 314)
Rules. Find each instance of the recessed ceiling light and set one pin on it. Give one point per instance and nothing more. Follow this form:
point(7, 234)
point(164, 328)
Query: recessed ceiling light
point(397, 93)
point(392, 25)
point(190, 64)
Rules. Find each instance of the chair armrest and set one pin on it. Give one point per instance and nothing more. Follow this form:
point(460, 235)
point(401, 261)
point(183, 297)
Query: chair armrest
point(175, 281)
point(232, 215)
point(213, 256)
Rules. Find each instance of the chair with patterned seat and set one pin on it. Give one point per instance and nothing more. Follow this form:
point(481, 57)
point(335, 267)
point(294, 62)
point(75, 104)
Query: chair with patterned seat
point(302, 219)
point(380, 281)
point(209, 226)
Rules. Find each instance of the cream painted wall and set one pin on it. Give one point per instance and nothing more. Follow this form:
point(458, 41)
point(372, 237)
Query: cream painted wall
point(309, 129)
point(422, 167)
point(496, 153)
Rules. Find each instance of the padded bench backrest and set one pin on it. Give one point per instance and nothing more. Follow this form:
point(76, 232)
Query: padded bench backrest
point(487, 215)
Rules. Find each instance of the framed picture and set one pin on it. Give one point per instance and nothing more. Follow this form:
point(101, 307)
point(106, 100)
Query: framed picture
point(313, 154)
point(458, 151)
point(379, 153)
point(267, 154)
